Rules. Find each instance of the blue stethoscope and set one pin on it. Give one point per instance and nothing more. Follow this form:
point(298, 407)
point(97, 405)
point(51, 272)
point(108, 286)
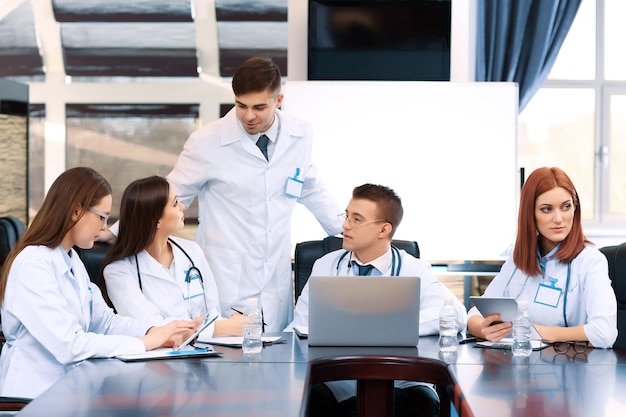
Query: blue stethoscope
point(191, 273)
point(569, 270)
point(396, 261)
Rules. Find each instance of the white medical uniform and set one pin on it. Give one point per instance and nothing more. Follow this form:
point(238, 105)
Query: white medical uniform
point(432, 296)
point(53, 317)
point(590, 300)
point(245, 214)
point(164, 294)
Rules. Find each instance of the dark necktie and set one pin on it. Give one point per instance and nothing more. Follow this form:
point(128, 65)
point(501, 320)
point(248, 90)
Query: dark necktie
point(262, 144)
point(364, 269)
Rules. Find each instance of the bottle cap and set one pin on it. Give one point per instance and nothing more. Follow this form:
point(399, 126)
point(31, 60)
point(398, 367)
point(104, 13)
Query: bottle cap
point(448, 301)
point(252, 302)
point(522, 305)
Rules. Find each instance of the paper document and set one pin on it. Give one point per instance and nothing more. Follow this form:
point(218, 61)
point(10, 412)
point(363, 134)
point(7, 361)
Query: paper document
point(237, 341)
point(301, 331)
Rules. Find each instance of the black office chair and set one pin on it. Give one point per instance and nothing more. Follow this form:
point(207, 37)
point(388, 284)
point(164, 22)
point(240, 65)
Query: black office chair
point(616, 257)
point(11, 230)
point(375, 376)
point(92, 259)
point(10, 405)
point(306, 253)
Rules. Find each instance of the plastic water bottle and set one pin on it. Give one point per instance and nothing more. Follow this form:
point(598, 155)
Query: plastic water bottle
point(252, 327)
point(448, 327)
point(521, 330)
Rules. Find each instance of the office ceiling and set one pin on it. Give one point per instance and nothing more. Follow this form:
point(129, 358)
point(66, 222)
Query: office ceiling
point(100, 39)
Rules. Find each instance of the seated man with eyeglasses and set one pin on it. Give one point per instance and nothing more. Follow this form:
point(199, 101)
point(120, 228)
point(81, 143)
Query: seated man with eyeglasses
point(370, 221)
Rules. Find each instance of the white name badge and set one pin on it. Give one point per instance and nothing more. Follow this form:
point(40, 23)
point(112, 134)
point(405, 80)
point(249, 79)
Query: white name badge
point(195, 287)
point(294, 185)
point(548, 294)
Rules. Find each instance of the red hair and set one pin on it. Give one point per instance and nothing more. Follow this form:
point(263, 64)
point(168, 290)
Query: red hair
point(525, 252)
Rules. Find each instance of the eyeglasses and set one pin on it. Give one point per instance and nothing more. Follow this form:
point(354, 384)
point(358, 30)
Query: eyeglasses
point(104, 218)
point(354, 222)
point(579, 346)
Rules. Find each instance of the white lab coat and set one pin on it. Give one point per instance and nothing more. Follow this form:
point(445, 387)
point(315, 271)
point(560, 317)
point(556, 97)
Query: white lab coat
point(432, 292)
point(53, 317)
point(590, 300)
point(432, 296)
point(163, 296)
point(245, 215)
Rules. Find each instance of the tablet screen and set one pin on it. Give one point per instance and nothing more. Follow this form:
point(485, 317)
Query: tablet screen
point(504, 306)
point(206, 323)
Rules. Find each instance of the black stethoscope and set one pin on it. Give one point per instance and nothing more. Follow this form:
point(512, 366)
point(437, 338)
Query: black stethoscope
point(191, 272)
point(396, 261)
point(569, 270)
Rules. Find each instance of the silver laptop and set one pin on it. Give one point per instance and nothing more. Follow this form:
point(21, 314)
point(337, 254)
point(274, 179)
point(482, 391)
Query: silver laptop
point(363, 311)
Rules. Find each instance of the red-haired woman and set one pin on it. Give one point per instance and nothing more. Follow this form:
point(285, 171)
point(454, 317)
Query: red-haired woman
point(555, 268)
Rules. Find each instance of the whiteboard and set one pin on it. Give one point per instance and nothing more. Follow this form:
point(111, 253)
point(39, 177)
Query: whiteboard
point(447, 149)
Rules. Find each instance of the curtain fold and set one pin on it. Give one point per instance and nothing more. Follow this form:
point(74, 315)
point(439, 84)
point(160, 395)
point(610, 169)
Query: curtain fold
point(518, 40)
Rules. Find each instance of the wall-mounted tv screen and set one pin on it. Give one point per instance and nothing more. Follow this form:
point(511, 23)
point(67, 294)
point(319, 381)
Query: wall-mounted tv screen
point(399, 40)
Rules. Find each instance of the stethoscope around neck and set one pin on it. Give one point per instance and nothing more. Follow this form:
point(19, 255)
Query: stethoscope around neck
point(569, 270)
point(190, 272)
point(396, 261)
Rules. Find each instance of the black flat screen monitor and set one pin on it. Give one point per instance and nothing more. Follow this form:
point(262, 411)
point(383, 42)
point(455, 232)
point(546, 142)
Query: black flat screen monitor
point(398, 40)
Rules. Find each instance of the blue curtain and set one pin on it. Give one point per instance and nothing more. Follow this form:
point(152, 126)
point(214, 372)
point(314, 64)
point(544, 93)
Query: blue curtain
point(518, 40)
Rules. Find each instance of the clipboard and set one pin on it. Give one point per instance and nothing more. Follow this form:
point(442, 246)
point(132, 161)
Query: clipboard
point(167, 353)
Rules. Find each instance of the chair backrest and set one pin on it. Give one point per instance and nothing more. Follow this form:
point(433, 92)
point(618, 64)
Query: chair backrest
point(13, 404)
point(11, 230)
point(375, 376)
point(616, 257)
point(306, 253)
point(92, 259)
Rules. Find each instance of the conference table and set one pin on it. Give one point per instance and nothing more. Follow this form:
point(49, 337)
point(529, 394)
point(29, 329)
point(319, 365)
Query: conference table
point(490, 382)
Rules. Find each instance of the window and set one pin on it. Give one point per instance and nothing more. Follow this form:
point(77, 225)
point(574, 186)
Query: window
point(577, 121)
point(124, 142)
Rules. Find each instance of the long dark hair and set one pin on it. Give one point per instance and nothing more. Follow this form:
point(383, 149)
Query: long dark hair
point(141, 208)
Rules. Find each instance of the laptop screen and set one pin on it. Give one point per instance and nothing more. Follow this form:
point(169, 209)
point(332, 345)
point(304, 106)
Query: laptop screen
point(363, 311)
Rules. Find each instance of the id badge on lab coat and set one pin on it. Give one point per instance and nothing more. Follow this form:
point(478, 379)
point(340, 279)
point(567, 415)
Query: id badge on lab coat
point(194, 288)
point(294, 185)
point(548, 294)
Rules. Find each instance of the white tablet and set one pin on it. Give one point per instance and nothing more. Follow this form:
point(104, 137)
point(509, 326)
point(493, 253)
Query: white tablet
point(505, 306)
point(206, 323)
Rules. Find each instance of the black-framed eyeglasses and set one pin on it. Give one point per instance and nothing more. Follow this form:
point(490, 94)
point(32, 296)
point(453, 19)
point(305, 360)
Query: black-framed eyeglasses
point(579, 346)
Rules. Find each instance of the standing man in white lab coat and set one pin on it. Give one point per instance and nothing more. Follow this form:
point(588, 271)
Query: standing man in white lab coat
point(247, 193)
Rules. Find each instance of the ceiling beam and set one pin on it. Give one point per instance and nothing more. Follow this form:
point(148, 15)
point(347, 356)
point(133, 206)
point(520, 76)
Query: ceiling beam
point(48, 32)
point(7, 6)
point(207, 46)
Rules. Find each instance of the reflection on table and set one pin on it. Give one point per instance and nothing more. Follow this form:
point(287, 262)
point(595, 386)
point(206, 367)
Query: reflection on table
point(271, 383)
